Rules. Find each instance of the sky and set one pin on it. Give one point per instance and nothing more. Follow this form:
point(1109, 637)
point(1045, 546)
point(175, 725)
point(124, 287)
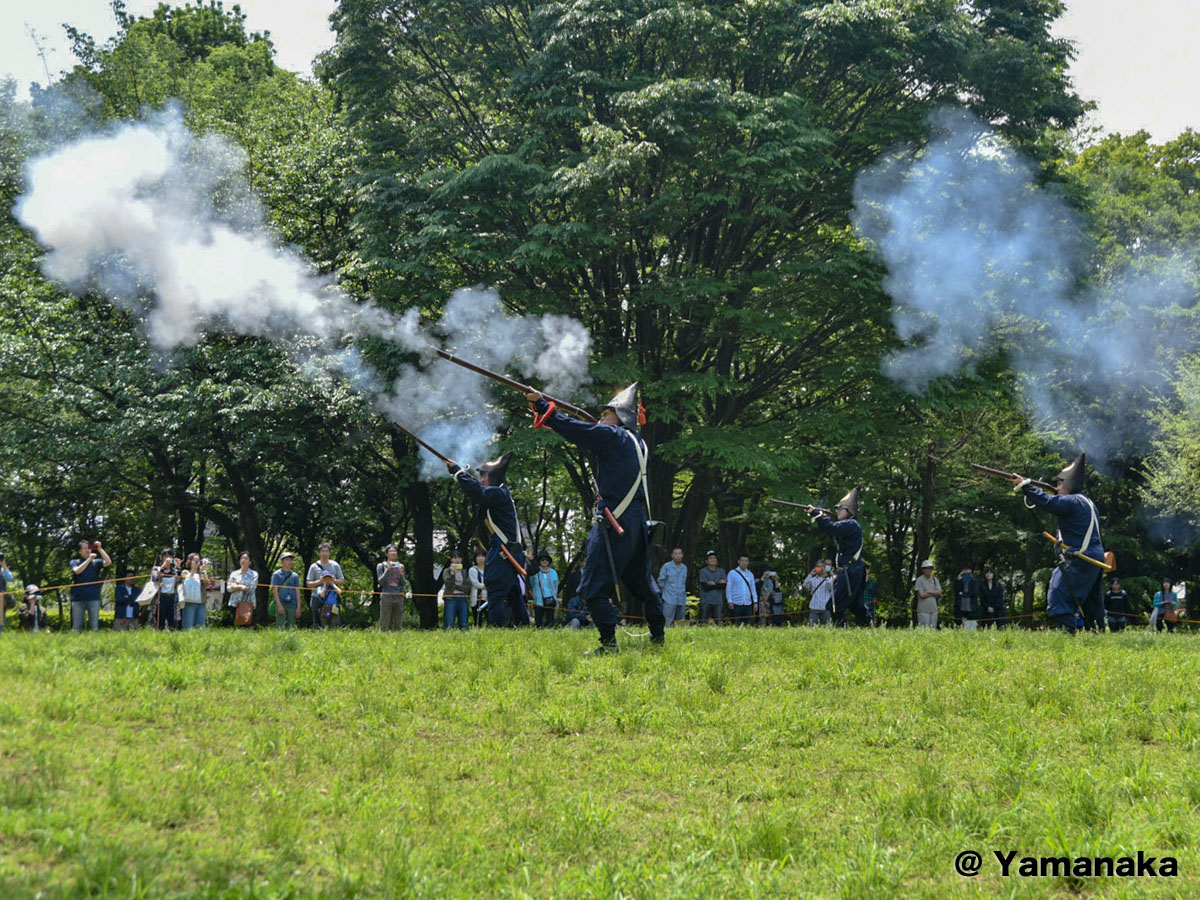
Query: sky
point(1133, 55)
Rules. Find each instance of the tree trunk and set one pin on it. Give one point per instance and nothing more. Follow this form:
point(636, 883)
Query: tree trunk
point(422, 575)
point(1030, 564)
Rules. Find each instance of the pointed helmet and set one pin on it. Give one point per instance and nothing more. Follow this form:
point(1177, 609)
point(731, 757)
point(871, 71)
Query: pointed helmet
point(497, 469)
point(1072, 477)
point(850, 503)
point(627, 407)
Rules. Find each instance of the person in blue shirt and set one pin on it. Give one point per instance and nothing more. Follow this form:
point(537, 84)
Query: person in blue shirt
point(285, 590)
point(86, 571)
point(621, 463)
point(495, 509)
point(1075, 584)
point(545, 592)
point(850, 580)
point(6, 576)
point(125, 608)
point(1166, 601)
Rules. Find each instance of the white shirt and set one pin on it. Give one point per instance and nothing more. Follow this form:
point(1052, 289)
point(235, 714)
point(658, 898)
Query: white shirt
point(822, 590)
point(739, 588)
point(478, 591)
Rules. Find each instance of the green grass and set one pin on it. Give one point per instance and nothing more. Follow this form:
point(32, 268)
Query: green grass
point(779, 763)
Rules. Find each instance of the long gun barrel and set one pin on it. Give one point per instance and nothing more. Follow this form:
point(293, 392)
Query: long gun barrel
point(577, 411)
point(807, 507)
point(421, 443)
point(1000, 473)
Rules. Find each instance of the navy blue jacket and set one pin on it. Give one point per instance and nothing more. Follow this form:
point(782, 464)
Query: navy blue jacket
point(496, 499)
point(617, 468)
point(846, 534)
point(1074, 514)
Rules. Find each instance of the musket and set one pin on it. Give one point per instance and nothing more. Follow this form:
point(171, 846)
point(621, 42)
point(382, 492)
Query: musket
point(807, 507)
point(421, 443)
point(1108, 565)
point(577, 411)
point(1000, 473)
point(503, 549)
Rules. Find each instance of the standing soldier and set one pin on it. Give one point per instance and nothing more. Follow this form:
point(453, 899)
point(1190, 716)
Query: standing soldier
point(495, 507)
point(618, 547)
point(850, 580)
point(1075, 584)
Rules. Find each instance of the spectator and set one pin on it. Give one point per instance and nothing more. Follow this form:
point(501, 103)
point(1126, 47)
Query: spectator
point(545, 592)
point(285, 590)
point(6, 577)
point(213, 589)
point(991, 599)
point(1166, 605)
point(243, 582)
point(672, 586)
point(315, 577)
point(739, 593)
point(966, 598)
point(1116, 606)
point(194, 613)
point(770, 599)
point(712, 589)
point(454, 593)
point(125, 608)
point(327, 600)
point(393, 588)
point(478, 587)
point(31, 614)
point(929, 590)
point(577, 615)
point(86, 570)
point(819, 585)
point(870, 596)
point(166, 576)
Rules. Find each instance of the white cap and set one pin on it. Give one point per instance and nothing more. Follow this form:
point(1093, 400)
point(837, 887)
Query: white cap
point(928, 564)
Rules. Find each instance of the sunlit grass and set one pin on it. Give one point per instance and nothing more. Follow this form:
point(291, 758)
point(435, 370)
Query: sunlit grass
point(736, 763)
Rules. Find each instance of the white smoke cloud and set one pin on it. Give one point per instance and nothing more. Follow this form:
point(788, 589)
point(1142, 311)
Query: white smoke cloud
point(980, 258)
point(163, 222)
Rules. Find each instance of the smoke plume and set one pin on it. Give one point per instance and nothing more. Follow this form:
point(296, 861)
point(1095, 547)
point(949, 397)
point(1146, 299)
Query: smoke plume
point(163, 222)
point(979, 258)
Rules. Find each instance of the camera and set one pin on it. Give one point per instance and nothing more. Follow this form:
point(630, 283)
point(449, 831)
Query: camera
point(94, 545)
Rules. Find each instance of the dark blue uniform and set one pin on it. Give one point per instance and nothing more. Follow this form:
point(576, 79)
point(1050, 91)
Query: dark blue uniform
point(506, 600)
point(617, 471)
point(851, 577)
point(1075, 583)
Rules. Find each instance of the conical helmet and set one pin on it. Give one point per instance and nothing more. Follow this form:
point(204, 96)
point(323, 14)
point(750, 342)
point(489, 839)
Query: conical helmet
point(497, 469)
point(626, 406)
point(850, 503)
point(1072, 477)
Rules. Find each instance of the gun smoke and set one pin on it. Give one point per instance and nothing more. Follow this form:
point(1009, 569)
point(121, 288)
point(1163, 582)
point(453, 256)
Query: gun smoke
point(980, 259)
point(163, 222)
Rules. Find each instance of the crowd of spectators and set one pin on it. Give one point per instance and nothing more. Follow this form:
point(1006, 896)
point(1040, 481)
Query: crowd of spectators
point(181, 594)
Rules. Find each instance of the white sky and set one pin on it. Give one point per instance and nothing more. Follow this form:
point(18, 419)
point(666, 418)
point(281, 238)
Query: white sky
point(1133, 54)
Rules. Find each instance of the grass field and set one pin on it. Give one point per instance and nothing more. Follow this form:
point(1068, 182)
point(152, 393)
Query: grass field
point(735, 763)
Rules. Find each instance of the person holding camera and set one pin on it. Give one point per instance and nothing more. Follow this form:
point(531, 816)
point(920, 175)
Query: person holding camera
point(31, 614)
point(819, 585)
point(393, 588)
point(194, 613)
point(166, 576)
point(86, 570)
point(455, 583)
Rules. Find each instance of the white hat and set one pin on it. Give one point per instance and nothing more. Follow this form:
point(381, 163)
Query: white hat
point(928, 564)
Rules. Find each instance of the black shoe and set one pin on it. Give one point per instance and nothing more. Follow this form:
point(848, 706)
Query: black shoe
point(658, 640)
point(609, 649)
